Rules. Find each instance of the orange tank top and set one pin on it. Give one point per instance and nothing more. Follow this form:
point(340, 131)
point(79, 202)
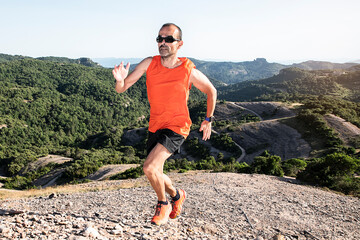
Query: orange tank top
point(168, 93)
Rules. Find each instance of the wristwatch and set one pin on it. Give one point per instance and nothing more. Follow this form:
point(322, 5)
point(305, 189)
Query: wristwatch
point(210, 119)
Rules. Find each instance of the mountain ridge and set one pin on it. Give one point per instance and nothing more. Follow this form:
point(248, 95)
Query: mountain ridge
point(295, 81)
point(227, 72)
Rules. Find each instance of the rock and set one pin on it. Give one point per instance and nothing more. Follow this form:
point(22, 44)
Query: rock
point(91, 232)
point(63, 223)
point(116, 232)
point(73, 237)
point(4, 229)
point(53, 195)
point(18, 220)
point(145, 237)
point(279, 237)
point(10, 212)
point(118, 227)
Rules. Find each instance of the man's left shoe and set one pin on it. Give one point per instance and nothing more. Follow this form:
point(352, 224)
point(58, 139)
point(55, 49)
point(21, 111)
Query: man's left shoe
point(177, 205)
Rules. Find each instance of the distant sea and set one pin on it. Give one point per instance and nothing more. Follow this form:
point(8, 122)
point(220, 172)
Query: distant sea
point(111, 62)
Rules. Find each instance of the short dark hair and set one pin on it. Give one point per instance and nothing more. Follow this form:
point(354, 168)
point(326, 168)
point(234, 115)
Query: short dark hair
point(172, 24)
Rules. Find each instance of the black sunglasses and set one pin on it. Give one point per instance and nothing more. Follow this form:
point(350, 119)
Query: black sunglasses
point(168, 39)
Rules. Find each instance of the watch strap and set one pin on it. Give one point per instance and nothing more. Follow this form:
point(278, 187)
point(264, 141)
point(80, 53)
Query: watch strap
point(210, 119)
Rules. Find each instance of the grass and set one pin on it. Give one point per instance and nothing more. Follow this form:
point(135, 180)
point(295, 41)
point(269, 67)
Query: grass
point(93, 186)
point(65, 189)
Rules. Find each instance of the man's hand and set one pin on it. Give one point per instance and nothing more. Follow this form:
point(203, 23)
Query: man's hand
point(120, 73)
point(206, 129)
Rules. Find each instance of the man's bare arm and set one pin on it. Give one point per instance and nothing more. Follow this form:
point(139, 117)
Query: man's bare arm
point(202, 83)
point(125, 80)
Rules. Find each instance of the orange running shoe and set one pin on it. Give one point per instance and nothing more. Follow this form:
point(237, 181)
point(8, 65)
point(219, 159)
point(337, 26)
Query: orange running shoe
point(177, 205)
point(161, 214)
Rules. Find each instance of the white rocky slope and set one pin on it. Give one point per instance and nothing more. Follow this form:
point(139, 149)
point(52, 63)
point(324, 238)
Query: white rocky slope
point(219, 206)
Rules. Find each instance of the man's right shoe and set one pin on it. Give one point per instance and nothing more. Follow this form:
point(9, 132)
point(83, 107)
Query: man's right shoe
point(161, 214)
point(177, 205)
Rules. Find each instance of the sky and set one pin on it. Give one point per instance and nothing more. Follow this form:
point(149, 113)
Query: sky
point(284, 31)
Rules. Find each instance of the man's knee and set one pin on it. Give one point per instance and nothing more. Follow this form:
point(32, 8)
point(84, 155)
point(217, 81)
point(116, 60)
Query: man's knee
point(149, 169)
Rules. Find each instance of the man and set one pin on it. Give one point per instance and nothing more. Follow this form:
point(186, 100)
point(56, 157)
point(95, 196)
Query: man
point(168, 81)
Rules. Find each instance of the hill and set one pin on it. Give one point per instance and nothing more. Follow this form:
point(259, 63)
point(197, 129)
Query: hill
point(7, 58)
point(231, 72)
point(321, 65)
point(236, 72)
point(219, 206)
point(82, 61)
point(294, 81)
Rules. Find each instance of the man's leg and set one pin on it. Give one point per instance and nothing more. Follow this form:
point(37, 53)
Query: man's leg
point(153, 169)
point(169, 188)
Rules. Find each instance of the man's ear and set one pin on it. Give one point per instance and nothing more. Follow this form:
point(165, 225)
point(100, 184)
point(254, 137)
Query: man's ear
point(180, 44)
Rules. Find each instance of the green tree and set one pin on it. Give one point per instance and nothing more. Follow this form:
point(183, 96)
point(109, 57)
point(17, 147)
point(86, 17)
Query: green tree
point(293, 166)
point(335, 171)
point(270, 165)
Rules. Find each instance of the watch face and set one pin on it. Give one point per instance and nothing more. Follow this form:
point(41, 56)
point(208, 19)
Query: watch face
point(210, 119)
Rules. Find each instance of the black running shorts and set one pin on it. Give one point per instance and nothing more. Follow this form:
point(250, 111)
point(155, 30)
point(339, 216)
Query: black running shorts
point(166, 137)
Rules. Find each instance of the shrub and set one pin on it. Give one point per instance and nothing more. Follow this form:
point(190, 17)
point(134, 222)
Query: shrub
point(206, 164)
point(81, 168)
point(181, 163)
point(196, 149)
point(225, 142)
point(20, 162)
point(236, 167)
point(17, 182)
point(293, 166)
point(242, 167)
point(270, 165)
point(335, 171)
point(130, 173)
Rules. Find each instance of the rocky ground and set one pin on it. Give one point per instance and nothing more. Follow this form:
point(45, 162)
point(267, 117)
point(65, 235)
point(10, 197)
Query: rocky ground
point(268, 134)
point(346, 130)
point(219, 206)
point(271, 135)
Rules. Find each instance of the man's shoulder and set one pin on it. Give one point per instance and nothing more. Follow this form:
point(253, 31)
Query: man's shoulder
point(145, 63)
point(148, 59)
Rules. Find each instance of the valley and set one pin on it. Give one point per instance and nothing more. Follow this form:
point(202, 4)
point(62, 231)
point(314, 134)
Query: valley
point(71, 152)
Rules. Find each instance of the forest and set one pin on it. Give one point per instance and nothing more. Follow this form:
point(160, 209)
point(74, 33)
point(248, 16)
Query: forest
point(57, 106)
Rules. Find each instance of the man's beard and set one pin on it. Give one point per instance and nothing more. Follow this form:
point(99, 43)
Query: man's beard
point(164, 51)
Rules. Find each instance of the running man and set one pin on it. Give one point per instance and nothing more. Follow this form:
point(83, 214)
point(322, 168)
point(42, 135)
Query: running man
point(168, 81)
